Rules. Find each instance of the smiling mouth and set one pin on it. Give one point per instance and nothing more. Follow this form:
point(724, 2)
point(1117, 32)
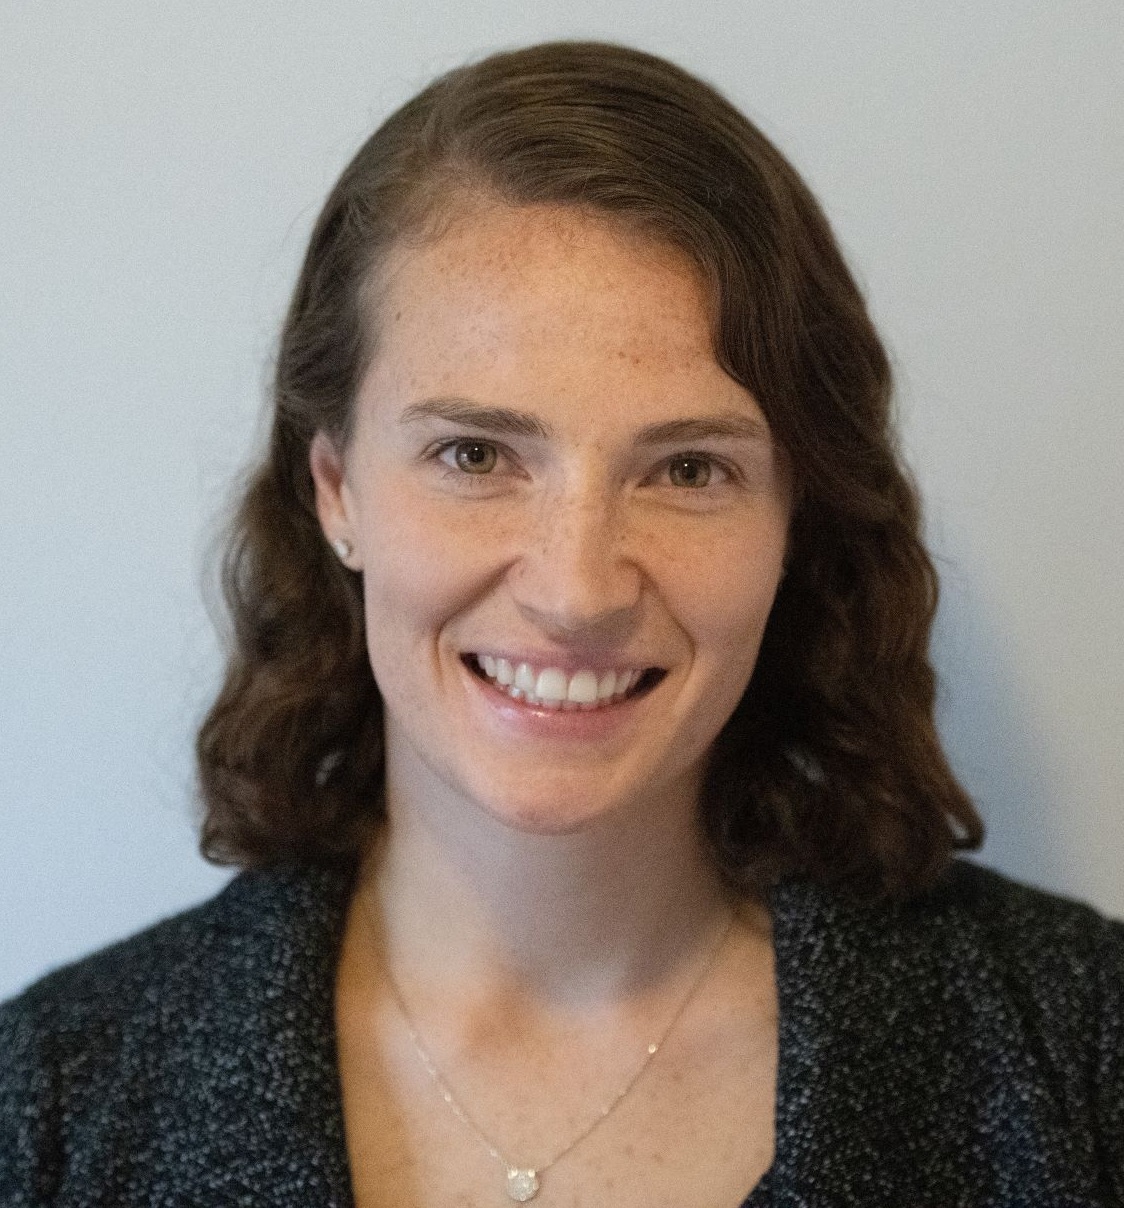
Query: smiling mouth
point(552, 688)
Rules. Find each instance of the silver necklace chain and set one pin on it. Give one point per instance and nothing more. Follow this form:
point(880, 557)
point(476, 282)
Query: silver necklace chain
point(522, 1183)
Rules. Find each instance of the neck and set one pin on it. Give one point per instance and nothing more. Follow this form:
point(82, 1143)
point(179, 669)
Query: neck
point(580, 918)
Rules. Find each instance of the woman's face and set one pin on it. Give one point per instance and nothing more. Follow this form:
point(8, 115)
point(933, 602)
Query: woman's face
point(551, 481)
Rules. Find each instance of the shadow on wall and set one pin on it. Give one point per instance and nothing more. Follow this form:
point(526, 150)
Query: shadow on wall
point(1006, 759)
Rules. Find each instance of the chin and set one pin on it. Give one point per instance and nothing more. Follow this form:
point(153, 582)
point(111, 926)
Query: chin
point(531, 817)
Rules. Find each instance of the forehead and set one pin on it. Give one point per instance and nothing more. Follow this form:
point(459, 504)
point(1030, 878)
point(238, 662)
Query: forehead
point(541, 298)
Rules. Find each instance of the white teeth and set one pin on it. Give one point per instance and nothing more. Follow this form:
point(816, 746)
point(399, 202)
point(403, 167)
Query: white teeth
point(552, 688)
point(582, 689)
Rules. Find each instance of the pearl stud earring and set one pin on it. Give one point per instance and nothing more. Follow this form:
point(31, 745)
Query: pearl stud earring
point(343, 548)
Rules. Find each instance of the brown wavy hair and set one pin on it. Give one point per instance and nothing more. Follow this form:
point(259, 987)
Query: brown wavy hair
point(831, 766)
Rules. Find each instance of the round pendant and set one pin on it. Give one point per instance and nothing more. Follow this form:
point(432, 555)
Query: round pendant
point(522, 1185)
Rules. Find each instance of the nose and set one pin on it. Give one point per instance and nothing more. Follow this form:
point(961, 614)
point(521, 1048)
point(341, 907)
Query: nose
point(577, 573)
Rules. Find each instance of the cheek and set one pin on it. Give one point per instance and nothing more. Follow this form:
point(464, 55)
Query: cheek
point(724, 590)
point(421, 566)
point(725, 613)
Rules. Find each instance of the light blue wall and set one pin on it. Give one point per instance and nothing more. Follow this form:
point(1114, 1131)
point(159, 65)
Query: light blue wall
point(162, 165)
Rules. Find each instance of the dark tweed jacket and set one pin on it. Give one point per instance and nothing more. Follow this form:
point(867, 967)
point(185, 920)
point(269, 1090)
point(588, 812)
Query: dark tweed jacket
point(967, 1049)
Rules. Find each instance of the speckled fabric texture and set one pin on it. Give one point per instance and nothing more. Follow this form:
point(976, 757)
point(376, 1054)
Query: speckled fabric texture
point(961, 1051)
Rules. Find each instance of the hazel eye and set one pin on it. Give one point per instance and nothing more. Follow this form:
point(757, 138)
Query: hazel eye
point(689, 472)
point(475, 456)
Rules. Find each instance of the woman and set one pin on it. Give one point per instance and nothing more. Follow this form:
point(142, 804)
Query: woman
point(578, 733)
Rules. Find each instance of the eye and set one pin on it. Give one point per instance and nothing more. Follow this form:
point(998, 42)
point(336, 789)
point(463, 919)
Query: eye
point(689, 471)
point(473, 456)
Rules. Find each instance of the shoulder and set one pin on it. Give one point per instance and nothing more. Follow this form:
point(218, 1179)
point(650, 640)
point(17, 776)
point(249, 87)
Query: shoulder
point(973, 917)
point(980, 1026)
point(1059, 962)
point(1024, 929)
point(259, 918)
point(995, 946)
point(180, 955)
point(74, 1017)
point(981, 893)
point(101, 1041)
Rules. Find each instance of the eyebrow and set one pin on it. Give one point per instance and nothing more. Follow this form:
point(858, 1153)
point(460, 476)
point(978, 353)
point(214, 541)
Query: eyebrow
point(684, 431)
point(489, 419)
point(732, 425)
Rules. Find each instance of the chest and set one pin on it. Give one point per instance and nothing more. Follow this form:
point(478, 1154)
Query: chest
point(687, 1134)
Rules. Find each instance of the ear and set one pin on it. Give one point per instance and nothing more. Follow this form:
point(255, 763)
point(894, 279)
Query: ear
point(334, 504)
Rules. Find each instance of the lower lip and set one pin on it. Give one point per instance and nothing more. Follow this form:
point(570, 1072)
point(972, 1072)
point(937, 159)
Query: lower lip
point(567, 724)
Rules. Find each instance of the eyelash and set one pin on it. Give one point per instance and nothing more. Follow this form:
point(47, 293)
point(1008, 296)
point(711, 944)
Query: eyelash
point(442, 452)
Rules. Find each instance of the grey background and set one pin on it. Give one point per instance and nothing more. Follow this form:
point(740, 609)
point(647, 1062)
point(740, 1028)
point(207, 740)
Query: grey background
point(162, 165)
